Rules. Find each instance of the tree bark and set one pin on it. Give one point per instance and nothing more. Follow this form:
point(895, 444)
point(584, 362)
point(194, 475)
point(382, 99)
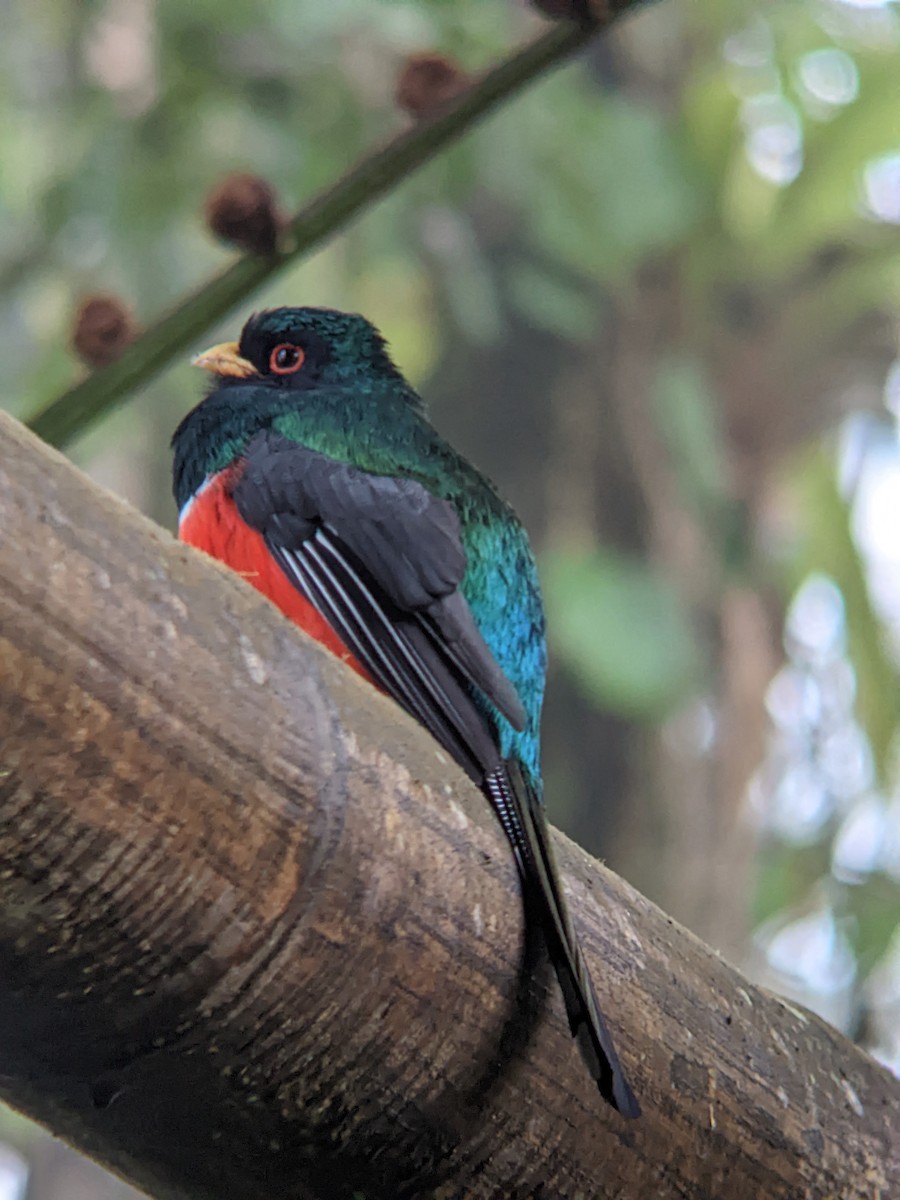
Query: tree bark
point(258, 938)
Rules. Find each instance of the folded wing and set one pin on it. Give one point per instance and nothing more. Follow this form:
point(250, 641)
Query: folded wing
point(381, 558)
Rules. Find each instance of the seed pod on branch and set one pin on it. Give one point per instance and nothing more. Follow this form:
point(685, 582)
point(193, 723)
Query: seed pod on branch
point(427, 82)
point(101, 329)
point(242, 209)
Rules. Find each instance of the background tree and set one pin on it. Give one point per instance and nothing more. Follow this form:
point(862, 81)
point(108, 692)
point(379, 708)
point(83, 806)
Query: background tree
point(656, 300)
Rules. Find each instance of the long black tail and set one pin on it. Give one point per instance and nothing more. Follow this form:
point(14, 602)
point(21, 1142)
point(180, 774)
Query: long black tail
point(521, 814)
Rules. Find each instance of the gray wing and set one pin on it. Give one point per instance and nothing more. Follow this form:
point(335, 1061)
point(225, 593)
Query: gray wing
point(381, 558)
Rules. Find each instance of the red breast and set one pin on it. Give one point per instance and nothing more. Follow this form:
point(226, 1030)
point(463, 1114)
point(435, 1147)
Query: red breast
point(211, 522)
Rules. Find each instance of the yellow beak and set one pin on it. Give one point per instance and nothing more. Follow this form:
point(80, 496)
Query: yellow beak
point(224, 359)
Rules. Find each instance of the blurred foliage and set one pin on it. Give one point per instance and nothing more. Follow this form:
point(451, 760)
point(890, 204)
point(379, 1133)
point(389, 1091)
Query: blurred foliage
point(706, 207)
point(830, 547)
point(622, 630)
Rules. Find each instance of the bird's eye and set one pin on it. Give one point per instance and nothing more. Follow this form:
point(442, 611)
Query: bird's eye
point(285, 359)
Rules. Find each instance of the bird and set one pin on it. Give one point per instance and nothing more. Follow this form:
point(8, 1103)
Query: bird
point(311, 468)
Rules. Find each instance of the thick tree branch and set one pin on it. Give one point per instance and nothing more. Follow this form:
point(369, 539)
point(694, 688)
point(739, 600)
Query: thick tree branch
point(366, 182)
point(257, 938)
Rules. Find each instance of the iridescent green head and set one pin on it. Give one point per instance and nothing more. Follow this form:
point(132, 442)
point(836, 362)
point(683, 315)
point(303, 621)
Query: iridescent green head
point(300, 361)
point(302, 348)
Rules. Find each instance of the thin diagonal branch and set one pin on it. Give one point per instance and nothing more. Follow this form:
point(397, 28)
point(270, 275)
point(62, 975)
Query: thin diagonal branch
point(373, 176)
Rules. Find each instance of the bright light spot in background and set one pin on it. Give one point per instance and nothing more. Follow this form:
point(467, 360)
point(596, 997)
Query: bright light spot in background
point(881, 189)
point(870, 24)
point(749, 57)
point(774, 137)
point(819, 759)
point(751, 47)
point(829, 78)
point(812, 962)
point(857, 846)
point(13, 1174)
point(119, 53)
point(876, 525)
point(799, 806)
point(813, 952)
point(815, 620)
point(868, 840)
point(819, 780)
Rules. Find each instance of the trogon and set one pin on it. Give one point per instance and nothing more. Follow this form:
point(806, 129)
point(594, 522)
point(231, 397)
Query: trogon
point(311, 468)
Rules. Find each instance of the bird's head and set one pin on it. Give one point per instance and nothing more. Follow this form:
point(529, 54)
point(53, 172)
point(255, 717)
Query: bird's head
point(318, 370)
point(297, 349)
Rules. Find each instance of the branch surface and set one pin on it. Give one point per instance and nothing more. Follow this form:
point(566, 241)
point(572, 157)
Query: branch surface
point(368, 181)
point(259, 938)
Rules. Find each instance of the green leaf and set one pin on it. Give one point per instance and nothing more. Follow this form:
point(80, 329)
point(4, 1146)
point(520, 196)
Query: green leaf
point(686, 413)
point(709, 126)
point(550, 302)
point(688, 419)
point(875, 907)
point(785, 877)
point(629, 195)
point(622, 632)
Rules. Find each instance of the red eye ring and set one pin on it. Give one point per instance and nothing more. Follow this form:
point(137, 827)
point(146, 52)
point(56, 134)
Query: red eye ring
point(286, 358)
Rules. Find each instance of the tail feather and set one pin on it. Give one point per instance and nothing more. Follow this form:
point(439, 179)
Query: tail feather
point(522, 817)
